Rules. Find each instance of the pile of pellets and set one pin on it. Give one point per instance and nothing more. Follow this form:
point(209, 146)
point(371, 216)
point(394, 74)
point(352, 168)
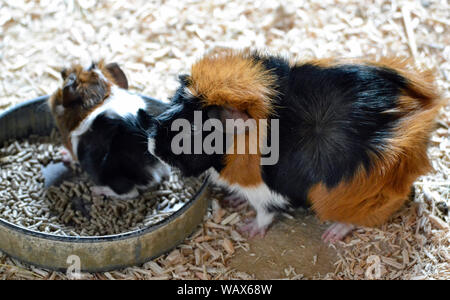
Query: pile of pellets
point(69, 208)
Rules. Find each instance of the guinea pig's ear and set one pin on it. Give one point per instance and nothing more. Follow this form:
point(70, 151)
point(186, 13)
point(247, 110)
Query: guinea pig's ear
point(64, 73)
point(184, 79)
point(70, 93)
point(233, 120)
point(119, 76)
point(145, 119)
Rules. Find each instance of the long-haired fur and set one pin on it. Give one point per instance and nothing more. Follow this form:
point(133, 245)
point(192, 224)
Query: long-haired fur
point(369, 198)
point(234, 79)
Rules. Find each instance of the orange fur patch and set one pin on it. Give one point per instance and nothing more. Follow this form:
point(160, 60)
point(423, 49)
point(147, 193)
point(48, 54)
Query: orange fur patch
point(244, 169)
point(322, 62)
point(233, 79)
point(421, 83)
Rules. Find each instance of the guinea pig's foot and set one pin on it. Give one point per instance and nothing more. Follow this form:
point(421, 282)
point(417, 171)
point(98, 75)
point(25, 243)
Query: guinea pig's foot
point(234, 200)
point(108, 192)
point(336, 232)
point(252, 229)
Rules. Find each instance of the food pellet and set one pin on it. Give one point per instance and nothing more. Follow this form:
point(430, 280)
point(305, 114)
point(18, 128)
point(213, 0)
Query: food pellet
point(70, 209)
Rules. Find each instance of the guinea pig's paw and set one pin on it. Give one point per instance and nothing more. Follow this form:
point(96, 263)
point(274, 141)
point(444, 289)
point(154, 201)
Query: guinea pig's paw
point(233, 200)
point(252, 229)
point(164, 171)
point(100, 190)
point(108, 192)
point(159, 173)
point(336, 232)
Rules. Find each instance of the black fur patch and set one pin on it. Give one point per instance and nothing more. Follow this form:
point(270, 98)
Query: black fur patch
point(114, 152)
point(183, 107)
point(330, 120)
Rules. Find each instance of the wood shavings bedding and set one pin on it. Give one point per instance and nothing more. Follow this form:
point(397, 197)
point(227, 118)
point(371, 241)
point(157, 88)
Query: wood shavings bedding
point(156, 41)
point(69, 208)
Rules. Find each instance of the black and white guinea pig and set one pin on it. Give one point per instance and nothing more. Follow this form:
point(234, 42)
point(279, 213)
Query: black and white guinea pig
point(351, 134)
point(102, 128)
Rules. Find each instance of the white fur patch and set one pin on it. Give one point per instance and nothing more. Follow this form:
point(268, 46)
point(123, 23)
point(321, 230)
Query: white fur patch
point(108, 192)
point(100, 75)
point(151, 146)
point(164, 169)
point(159, 172)
point(59, 110)
point(188, 93)
point(120, 102)
point(260, 197)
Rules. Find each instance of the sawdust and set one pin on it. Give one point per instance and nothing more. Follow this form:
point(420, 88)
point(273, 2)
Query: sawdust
point(155, 41)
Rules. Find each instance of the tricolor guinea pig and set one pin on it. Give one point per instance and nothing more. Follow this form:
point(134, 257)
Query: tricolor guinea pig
point(347, 137)
point(102, 127)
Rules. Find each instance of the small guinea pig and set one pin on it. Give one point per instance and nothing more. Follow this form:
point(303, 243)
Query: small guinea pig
point(102, 127)
point(351, 134)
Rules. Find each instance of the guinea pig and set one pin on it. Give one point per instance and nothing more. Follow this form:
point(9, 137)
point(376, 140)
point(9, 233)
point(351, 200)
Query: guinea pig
point(101, 124)
point(349, 136)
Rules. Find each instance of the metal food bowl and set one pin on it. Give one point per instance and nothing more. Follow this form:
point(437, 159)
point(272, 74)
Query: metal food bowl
point(97, 253)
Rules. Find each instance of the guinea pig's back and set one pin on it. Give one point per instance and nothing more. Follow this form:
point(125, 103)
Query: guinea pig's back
point(332, 118)
point(339, 119)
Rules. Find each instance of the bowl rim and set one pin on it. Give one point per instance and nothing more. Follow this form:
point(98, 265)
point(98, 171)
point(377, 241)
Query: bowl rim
point(101, 238)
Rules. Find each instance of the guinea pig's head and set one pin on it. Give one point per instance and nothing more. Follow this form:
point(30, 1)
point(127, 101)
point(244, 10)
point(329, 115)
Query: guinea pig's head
point(192, 135)
point(83, 89)
point(176, 136)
